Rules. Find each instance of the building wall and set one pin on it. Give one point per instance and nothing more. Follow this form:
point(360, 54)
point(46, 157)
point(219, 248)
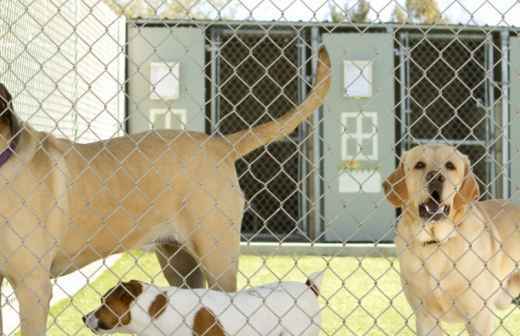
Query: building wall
point(63, 61)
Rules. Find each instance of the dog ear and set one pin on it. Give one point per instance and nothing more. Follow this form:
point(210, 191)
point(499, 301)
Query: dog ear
point(6, 101)
point(394, 186)
point(468, 191)
point(7, 115)
point(131, 290)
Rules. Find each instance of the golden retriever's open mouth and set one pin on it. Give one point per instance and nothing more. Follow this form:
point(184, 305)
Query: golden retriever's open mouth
point(433, 208)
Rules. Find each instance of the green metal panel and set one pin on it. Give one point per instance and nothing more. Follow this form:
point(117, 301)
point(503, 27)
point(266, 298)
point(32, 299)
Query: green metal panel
point(170, 46)
point(514, 123)
point(359, 137)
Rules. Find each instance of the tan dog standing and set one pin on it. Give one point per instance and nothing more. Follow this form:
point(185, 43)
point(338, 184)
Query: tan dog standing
point(458, 256)
point(64, 205)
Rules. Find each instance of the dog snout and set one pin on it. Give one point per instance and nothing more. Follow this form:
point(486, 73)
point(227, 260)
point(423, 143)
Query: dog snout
point(90, 321)
point(434, 179)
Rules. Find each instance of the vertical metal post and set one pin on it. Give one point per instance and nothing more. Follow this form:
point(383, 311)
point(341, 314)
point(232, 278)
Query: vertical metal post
point(303, 132)
point(485, 105)
point(404, 84)
point(504, 46)
point(319, 201)
point(490, 108)
point(215, 43)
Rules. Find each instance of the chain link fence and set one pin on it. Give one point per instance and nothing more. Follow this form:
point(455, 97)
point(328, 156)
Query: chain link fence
point(132, 148)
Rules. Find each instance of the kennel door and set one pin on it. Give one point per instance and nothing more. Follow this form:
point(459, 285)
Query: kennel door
point(359, 137)
point(514, 119)
point(165, 69)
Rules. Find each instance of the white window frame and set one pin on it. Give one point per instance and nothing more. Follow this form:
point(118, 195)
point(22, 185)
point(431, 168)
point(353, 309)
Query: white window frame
point(353, 72)
point(172, 73)
point(359, 135)
point(169, 113)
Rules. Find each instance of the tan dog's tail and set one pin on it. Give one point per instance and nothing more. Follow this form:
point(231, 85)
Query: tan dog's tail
point(246, 141)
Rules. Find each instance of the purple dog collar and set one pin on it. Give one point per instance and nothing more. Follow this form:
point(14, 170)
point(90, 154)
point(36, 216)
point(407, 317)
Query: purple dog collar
point(8, 152)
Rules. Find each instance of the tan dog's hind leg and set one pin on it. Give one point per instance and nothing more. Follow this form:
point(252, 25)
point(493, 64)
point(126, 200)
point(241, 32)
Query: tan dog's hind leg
point(221, 267)
point(222, 272)
point(179, 267)
point(34, 294)
point(219, 253)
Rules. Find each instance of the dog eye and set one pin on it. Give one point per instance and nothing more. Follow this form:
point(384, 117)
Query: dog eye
point(420, 165)
point(450, 166)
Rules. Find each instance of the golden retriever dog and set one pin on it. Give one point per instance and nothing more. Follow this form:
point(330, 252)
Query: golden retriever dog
point(458, 256)
point(64, 205)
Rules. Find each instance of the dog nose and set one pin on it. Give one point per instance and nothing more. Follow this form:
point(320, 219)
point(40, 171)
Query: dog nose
point(434, 177)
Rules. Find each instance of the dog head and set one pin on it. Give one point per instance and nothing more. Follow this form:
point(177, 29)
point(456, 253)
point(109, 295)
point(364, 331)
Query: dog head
point(433, 184)
point(126, 308)
point(9, 124)
point(114, 313)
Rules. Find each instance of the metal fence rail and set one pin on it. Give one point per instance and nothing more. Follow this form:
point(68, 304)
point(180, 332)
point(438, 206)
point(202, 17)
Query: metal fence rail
point(135, 130)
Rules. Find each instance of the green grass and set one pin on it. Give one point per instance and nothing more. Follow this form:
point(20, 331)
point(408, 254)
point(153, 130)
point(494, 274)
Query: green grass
point(362, 296)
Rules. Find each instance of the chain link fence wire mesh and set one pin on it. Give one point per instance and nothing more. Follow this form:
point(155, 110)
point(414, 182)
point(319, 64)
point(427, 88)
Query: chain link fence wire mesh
point(121, 150)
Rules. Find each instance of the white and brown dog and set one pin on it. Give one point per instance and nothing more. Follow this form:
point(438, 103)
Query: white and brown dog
point(281, 309)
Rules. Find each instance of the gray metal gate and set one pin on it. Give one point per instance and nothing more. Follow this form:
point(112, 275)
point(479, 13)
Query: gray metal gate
point(160, 57)
point(359, 137)
point(449, 94)
point(256, 77)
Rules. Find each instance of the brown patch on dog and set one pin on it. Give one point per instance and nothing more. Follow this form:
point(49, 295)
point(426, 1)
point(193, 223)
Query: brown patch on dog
point(313, 287)
point(206, 324)
point(115, 309)
point(158, 306)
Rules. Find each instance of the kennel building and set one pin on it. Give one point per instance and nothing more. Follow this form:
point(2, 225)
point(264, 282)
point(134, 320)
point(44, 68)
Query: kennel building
point(391, 90)
point(418, 84)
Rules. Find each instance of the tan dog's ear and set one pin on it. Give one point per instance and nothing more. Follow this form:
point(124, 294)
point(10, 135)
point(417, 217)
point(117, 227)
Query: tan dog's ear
point(7, 115)
point(469, 191)
point(394, 186)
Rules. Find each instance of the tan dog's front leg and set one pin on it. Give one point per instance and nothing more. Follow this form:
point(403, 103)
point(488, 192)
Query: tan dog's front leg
point(482, 324)
point(1, 316)
point(34, 294)
point(427, 325)
point(509, 292)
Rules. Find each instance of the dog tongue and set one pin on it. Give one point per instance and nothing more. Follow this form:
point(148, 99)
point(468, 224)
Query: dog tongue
point(432, 206)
